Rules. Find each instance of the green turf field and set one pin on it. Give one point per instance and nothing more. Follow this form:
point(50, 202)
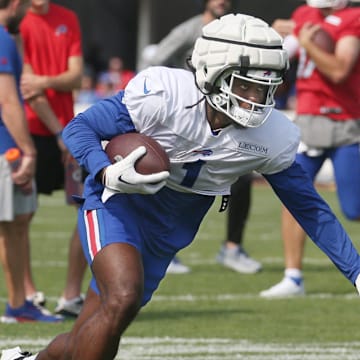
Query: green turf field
point(213, 313)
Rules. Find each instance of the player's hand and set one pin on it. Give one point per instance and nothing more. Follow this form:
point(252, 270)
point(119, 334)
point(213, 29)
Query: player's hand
point(32, 85)
point(65, 154)
point(306, 33)
point(121, 177)
point(24, 175)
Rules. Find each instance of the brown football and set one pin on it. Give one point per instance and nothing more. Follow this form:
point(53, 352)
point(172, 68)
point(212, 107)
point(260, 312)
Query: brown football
point(323, 39)
point(155, 159)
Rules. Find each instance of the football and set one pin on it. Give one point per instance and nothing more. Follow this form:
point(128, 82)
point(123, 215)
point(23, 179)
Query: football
point(155, 159)
point(323, 39)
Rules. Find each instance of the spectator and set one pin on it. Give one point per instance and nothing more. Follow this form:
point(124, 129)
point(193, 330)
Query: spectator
point(52, 70)
point(328, 115)
point(137, 223)
point(17, 191)
point(87, 94)
point(173, 50)
point(114, 79)
point(177, 46)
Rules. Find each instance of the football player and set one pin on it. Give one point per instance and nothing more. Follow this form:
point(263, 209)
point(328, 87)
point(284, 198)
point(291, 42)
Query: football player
point(328, 115)
point(214, 129)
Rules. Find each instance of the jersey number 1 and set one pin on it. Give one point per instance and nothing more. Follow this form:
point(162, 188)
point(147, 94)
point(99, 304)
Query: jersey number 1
point(192, 172)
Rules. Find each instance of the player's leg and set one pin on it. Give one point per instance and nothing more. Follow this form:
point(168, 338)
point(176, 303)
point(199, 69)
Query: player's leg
point(294, 238)
point(346, 163)
point(71, 300)
point(13, 252)
point(11, 255)
point(232, 253)
point(76, 267)
point(49, 170)
point(119, 277)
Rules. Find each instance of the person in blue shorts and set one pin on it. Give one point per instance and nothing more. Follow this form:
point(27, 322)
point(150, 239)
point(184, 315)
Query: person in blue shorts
point(214, 129)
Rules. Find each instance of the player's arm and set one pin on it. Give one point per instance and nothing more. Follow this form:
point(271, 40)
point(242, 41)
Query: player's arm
point(284, 27)
point(297, 193)
point(337, 66)
point(42, 108)
point(170, 46)
point(69, 80)
point(13, 116)
point(102, 121)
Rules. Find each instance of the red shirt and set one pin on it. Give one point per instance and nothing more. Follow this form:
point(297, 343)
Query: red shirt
point(49, 41)
point(314, 90)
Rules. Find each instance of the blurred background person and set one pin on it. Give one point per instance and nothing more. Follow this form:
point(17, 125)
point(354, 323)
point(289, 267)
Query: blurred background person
point(53, 66)
point(328, 114)
point(114, 78)
point(87, 93)
point(17, 191)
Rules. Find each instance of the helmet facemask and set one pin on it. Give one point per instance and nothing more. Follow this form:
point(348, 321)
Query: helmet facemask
point(243, 111)
point(239, 48)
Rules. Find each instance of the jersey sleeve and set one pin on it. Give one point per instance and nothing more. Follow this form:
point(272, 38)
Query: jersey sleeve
point(351, 23)
point(146, 100)
point(5, 56)
point(84, 134)
point(297, 193)
point(284, 137)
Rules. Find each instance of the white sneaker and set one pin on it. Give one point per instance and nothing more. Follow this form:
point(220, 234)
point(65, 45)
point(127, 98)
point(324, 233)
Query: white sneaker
point(70, 308)
point(357, 283)
point(238, 260)
point(37, 298)
point(176, 267)
point(287, 287)
point(16, 354)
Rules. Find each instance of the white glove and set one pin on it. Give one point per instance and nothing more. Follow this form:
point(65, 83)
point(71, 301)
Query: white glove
point(121, 177)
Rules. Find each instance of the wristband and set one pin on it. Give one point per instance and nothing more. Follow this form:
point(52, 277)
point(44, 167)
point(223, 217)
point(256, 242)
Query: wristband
point(29, 155)
point(58, 135)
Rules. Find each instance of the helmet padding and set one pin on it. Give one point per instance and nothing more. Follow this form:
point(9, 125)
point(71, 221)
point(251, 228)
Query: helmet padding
point(240, 44)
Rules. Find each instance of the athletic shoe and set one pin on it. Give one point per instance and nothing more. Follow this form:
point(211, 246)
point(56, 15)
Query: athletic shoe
point(176, 267)
point(16, 354)
point(37, 298)
point(238, 260)
point(357, 283)
point(70, 308)
point(28, 312)
point(287, 287)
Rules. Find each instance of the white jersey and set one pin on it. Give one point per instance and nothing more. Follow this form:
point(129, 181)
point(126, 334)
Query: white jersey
point(159, 101)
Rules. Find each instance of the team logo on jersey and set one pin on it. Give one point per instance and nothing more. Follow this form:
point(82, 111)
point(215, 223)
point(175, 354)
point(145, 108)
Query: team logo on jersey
point(146, 90)
point(3, 60)
point(61, 29)
point(204, 152)
point(253, 148)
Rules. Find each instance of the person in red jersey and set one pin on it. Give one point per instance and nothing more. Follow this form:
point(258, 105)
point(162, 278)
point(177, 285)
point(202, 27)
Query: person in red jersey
point(53, 66)
point(328, 115)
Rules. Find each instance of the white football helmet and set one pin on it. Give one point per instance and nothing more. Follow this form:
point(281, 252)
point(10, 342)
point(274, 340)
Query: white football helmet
point(239, 47)
point(336, 4)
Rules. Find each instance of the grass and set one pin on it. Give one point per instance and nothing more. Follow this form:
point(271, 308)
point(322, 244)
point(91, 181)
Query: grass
point(213, 313)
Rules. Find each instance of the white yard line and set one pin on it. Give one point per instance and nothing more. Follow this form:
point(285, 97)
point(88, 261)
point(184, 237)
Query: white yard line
point(228, 297)
point(135, 348)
